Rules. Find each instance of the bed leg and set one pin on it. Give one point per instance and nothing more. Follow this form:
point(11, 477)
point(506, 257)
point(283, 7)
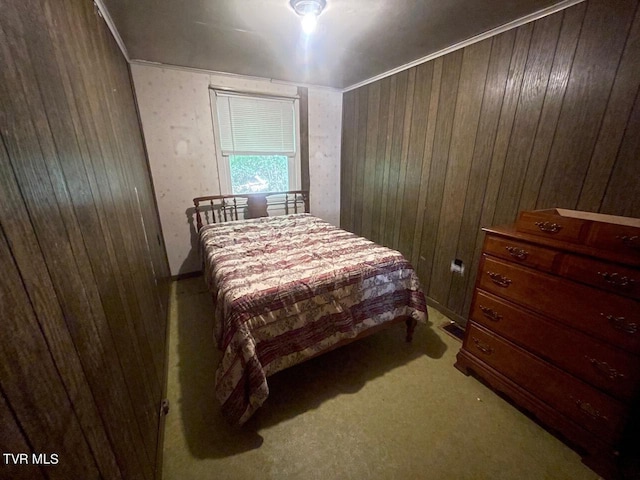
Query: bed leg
point(411, 326)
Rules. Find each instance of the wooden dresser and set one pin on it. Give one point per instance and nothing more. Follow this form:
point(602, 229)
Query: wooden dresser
point(555, 325)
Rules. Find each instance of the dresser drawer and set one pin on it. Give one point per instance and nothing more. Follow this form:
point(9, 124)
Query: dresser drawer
point(548, 223)
point(623, 239)
point(610, 369)
point(588, 407)
point(521, 252)
point(609, 276)
point(610, 317)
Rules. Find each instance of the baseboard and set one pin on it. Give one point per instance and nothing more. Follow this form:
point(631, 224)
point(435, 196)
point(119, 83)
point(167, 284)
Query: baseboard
point(459, 319)
point(183, 276)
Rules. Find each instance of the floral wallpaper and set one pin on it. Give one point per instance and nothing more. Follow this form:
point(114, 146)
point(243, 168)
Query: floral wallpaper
point(325, 135)
point(176, 120)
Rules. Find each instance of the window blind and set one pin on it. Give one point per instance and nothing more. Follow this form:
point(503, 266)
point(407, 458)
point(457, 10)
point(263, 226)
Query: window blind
point(256, 125)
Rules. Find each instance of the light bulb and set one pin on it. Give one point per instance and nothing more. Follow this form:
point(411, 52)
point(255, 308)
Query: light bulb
point(309, 22)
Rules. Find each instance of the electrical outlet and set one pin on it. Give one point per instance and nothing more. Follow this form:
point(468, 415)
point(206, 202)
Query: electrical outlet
point(457, 267)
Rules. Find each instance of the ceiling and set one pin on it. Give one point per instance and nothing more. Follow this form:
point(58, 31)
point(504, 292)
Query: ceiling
point(354, 41)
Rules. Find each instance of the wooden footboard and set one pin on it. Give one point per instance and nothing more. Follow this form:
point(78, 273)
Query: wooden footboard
point(225, 208)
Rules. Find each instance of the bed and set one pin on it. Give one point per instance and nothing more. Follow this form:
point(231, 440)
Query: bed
point(289, 287)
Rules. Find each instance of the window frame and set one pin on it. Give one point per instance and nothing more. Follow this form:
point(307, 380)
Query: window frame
point(222, 160)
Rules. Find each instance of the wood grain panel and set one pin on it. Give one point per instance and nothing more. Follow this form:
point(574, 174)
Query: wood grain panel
point(31, 383)
point(558, 79)
point(494, 89)
point(370, 153)
point(13, 440)
point(35, 161)
point(623, 190)
point(473, 74)
point(415, 154)
point(81, 229)
point(613, 124)
point(347, 156)
point(451, 65)
point(498, 157)
point(27, 253)
point(539, 116)
point(427, 157)
point(354, 154)
point(142, 206)
point(403, 160)
point(142, 388)
point(388, 143)
point(600, 46)
point(379, 167)
point(135, 240)
point(359, 166)
point(507, 118)
point(394, 158)
point(523, 133)
point(148, 279)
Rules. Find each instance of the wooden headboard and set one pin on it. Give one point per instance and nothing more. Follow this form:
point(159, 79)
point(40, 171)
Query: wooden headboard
point(250, 205)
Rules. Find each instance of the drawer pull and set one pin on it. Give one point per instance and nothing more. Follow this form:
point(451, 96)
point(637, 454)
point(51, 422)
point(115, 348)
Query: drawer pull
point(499, 280)
point(604, 368)
point(622, 324)
point(630, 241)
point(617, 280)
point(549, 227)
point(491, 314)
point(590, 410)
point(517, 253)
point(483, 347)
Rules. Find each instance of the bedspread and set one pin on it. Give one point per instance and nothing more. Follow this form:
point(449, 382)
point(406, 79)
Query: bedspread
point(288, 287)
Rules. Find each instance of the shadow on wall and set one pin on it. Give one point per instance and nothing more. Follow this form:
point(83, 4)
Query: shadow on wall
point(192, 262)
point(293, 391)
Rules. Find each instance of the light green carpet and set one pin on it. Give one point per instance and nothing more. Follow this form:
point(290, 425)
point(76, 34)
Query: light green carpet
point(376, 409)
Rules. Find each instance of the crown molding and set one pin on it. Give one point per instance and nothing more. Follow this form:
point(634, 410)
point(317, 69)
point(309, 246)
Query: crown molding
point(470, 41)
point(104, 13)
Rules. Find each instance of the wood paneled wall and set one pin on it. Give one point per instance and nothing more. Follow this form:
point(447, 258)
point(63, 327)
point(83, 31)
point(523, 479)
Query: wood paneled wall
point(83, 289)
point(545, 115)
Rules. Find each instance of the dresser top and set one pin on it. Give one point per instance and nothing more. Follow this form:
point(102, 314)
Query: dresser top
point(595, 217)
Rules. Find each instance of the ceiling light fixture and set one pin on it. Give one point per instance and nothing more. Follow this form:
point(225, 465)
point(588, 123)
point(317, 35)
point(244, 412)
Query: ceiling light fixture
point(309, 10)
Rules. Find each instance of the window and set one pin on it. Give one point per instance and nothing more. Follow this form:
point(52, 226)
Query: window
point(256, 142)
